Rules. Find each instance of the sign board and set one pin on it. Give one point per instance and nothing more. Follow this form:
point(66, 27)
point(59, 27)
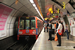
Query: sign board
point(63, 5)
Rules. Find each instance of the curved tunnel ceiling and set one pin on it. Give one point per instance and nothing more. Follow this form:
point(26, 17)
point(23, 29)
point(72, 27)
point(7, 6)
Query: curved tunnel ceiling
point(24, 6)
point(69, 6)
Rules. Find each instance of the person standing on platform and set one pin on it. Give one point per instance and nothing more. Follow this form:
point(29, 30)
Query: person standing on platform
point(56, 24)
point(45, 26)
point(50, 31)
point(62, 29)
point(67, 31)
point(59, 36)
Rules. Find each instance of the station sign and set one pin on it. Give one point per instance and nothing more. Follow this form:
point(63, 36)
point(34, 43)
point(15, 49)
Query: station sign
point(58, 11)
point(63, 5)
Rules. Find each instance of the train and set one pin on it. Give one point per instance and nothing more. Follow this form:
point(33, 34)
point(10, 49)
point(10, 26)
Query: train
point(29, 26)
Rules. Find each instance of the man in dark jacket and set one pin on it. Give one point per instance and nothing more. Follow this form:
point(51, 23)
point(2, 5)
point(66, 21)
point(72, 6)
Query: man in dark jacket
point(47, 26)
point(56, 24)
point(50, 31)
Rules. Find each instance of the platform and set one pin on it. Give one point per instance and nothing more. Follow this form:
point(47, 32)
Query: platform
point(42, 43)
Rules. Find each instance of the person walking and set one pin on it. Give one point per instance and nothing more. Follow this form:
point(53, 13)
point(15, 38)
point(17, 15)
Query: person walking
point(67, 31)
point(59, 30)
point(50, 31)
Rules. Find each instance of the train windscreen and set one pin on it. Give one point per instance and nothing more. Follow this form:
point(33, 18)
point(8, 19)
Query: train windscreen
point(27, 24)
point(32, 24)
point(21, 24)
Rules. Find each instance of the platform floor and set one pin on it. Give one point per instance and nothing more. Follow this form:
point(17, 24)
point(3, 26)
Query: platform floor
point(42, 43)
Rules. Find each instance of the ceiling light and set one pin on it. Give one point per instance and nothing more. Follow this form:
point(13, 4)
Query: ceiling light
point(35, 8)
point(31, 1)
point(50, 9)
point(34, 5)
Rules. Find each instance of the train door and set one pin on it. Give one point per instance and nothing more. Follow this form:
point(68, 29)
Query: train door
point(38, 25)
point(33, 24)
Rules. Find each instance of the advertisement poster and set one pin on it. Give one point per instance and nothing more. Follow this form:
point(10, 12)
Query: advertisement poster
point(4, 13)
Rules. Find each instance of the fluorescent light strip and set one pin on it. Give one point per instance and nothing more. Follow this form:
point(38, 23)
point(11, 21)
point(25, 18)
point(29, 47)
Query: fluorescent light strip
point(31, 1)
point(35, 7)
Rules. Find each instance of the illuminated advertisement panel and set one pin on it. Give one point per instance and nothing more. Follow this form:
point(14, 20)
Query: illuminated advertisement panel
point(4, 13)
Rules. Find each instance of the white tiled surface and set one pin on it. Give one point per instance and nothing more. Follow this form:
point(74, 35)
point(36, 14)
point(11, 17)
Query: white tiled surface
point(42, 43)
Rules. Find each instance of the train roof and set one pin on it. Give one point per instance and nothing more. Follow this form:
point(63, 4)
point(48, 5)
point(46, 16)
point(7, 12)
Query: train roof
point(32, 16)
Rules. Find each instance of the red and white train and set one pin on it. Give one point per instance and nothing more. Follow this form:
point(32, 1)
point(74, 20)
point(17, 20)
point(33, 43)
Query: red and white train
point(29, 26)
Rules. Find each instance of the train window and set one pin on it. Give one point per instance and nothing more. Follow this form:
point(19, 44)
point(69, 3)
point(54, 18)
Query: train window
point(32, 24)
point(38, 23)
point(27, 24)
point(21, 24)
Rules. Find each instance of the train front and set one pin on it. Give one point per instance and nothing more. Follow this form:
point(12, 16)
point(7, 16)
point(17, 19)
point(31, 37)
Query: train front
point(26, 27)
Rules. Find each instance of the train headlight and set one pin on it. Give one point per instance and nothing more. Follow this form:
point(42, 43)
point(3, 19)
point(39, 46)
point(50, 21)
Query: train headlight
point(20, 32)
point(34, 32)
